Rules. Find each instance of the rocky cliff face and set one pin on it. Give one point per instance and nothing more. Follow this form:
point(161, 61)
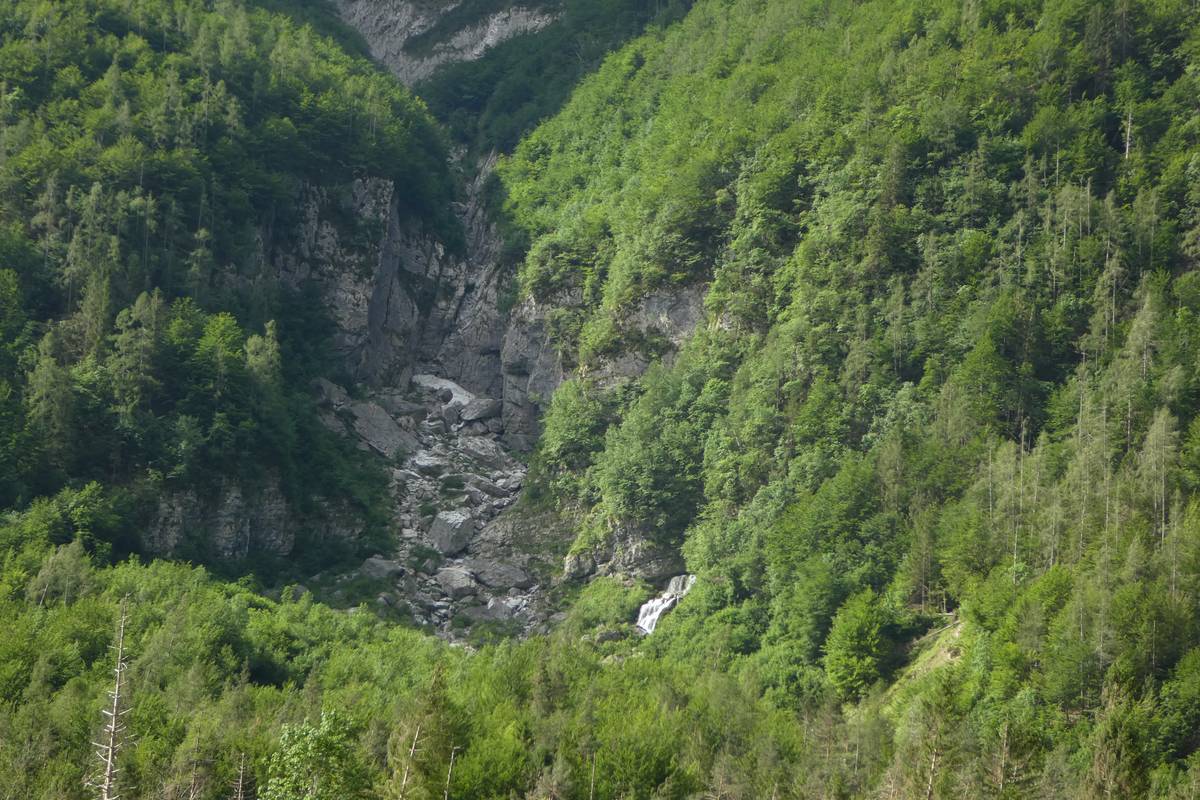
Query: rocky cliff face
point(403, 303)
point(445, 384)
point(448, 385)
point(390, 26)
point(237, 522)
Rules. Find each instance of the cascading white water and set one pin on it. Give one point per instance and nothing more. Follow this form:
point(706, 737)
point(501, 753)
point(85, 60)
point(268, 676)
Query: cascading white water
point(652, 610)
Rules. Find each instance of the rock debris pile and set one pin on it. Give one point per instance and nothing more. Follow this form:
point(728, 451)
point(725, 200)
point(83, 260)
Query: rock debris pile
point(456, 562)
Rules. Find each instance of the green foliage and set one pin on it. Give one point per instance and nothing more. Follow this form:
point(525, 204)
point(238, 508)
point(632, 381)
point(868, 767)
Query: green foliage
point(218, 673)
point(316, 763)
point(150, 155)
point(932, 451)
point(949, 338)
point(605, 602)
point(855, 648)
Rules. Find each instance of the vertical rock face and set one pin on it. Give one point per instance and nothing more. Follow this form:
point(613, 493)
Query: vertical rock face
point(403, 304)
point(531, 369)
point(356, 271)
point(237, 522)
point(391, 26)
point(397, 297)
point(462, 337)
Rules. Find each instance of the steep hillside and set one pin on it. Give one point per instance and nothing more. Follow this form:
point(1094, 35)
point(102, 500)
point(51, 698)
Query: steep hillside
point(945, 365)
point(492, 69)
point(176, 183)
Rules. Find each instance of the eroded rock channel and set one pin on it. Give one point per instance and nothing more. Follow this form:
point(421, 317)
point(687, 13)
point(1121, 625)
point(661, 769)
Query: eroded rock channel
point(463, 556)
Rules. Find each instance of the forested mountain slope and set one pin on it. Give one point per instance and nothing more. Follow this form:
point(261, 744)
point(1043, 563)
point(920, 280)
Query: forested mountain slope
point(946, 373)
point(881, 318)
point(157, 158)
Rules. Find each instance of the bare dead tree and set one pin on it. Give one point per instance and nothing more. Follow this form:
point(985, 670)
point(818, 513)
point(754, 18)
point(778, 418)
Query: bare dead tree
point(113, 736)
point(193, 790)
point(412, 753)
point(453, 752)
point(241, 785)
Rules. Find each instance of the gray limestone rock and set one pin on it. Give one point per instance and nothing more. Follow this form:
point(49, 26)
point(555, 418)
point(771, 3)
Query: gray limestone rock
point(233, 523)
point(532, 369)
point(427, 463)
point(633, 551)
point(329, 393)
point(488, 487)
point(380, 431)
point(388, 25)
point(451, 531)
point(381, 568)
point(484, 451)
point(499, 575)
point(578, 565)
point(481, 409)
point(398, 406)
point(456, 582)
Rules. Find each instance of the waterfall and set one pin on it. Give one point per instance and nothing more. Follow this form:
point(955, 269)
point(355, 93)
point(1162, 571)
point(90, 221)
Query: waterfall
point(653, 609)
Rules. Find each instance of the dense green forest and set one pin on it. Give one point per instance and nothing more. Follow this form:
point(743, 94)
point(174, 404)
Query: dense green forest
point(946, 383)
point(933, 452)
point(143, 148)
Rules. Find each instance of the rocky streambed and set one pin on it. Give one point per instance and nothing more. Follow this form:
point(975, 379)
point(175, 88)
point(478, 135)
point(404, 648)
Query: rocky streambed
point(463, 555)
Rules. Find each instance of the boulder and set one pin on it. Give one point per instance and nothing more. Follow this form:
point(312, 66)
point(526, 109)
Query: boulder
point(398, 406)
point(495, 610)
point(451, 531)
point(329, 393)
point(480, 409)
point(381, 568)
point(484, 451)
point(578, 565)
point(443, 389)
point(456, 582)
point(380, 431)
point(500, 575)
point(427, 463)
point(434, 426)
point(488, 487)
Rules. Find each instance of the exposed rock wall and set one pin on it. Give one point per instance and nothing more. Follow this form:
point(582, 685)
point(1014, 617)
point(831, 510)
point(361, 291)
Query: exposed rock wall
point(388, 26)
point(463, 336)
point(657, 325)
point(532, 369)
point(398, 297)
point(238, 521)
